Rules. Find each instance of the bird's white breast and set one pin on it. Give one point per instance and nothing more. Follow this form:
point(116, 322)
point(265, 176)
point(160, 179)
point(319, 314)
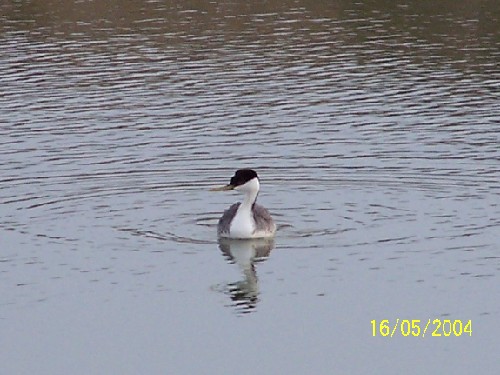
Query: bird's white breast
point(242, 225)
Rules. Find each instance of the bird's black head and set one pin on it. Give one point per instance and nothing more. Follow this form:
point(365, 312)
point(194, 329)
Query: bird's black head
point(242, 176)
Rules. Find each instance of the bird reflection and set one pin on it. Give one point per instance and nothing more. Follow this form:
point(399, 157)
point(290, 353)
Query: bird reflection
point(244, 294)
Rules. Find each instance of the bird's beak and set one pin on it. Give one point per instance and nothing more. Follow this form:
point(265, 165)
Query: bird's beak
point(223, 188)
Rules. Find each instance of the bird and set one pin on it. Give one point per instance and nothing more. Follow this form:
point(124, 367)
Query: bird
point(247, 219)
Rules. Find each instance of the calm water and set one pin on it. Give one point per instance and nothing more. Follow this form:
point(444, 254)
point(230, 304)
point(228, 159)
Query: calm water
point(375, 128)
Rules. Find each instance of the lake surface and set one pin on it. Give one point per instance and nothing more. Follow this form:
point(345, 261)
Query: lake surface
point(375, 130)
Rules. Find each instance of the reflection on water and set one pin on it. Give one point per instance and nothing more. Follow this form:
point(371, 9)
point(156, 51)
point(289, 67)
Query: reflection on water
point(374, 126)
point(246, 254)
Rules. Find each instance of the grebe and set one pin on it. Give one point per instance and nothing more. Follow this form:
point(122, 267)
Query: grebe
point(247, 219)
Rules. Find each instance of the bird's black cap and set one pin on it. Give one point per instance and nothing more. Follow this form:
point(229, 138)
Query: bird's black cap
point(242, 176)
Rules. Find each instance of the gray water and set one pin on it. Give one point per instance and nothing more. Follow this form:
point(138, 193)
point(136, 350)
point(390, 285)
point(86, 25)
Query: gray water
point(374, 127)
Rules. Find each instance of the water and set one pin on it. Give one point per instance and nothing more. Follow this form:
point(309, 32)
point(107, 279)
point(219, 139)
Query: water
point(374, 128)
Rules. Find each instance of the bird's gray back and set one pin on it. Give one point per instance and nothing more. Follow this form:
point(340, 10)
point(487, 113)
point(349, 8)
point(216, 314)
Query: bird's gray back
point(263, 220)
point(225, 221)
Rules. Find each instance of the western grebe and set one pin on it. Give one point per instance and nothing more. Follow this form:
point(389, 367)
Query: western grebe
point(246, 219)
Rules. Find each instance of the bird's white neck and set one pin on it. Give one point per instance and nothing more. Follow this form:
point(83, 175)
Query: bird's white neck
point(251, 190)
point(243, 223)
point(250, 198)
